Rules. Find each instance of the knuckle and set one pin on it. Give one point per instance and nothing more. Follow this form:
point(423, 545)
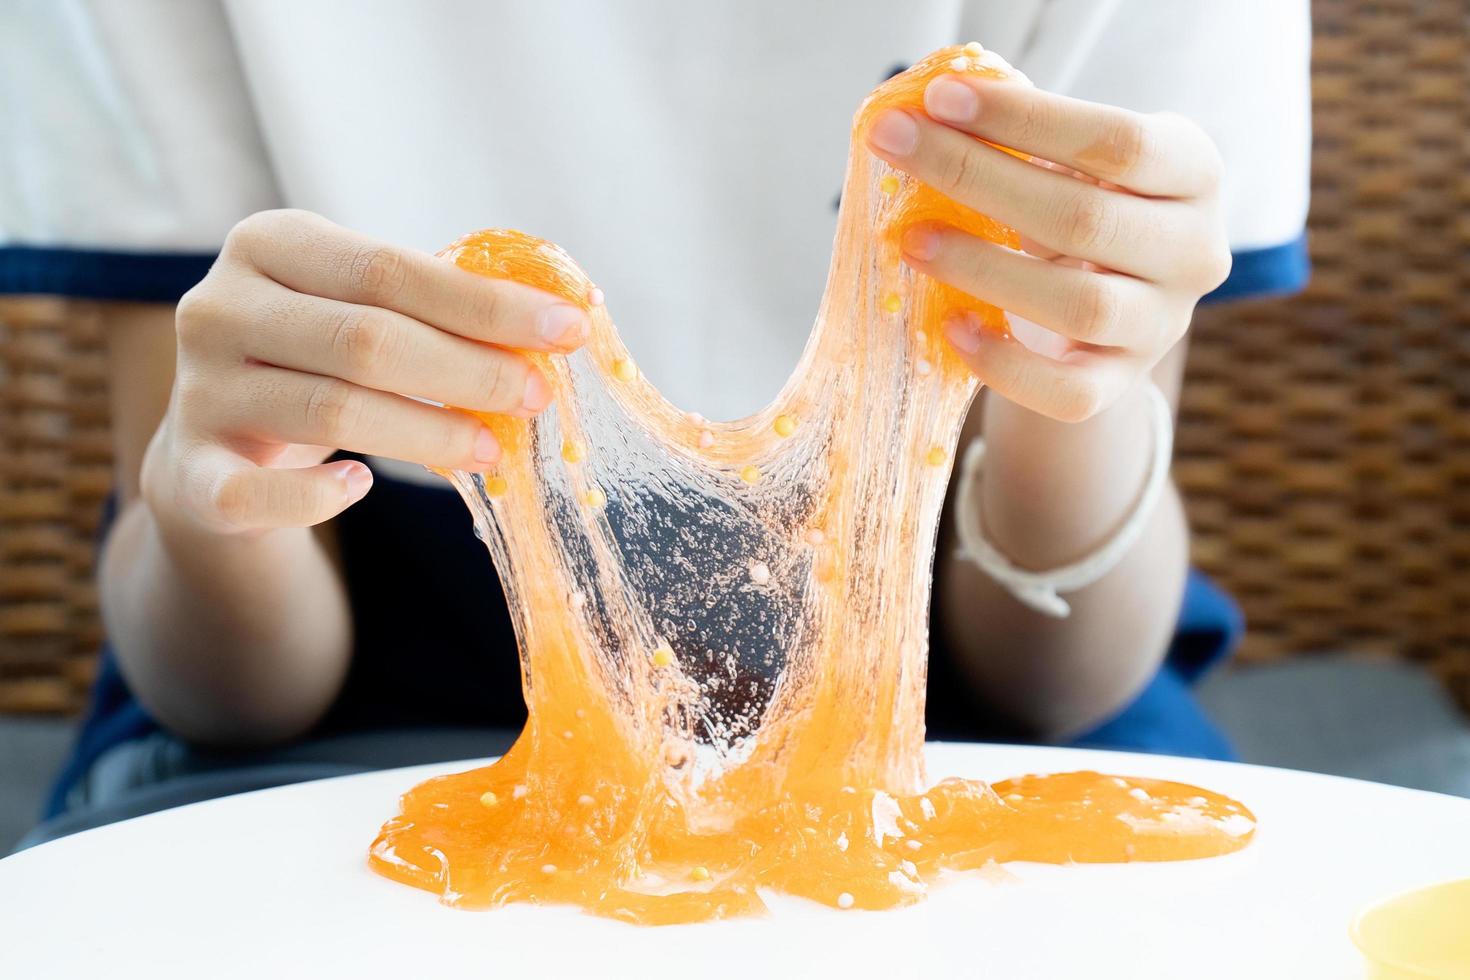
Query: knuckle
point(246, 235)
point(259, 229)
point(1014, 379)
point(333, 411)
point(1088, 221)
point(1133, 144)
point(1034, 122)
point(1096, 311)
point(456, 438)
point(1216, 266)
point(377, 272)
point(310, 501)
point(291, 217)
point(980, 276)
point(195, 311)
point(1212, 164)
point(200, 313)
point(484, 305)
point(232, 501)
point(1078, 399)
point(359, 343)
point(278, 310)
point(190, 392)
point(957, 172)
point(497, 381)
point(295, 501)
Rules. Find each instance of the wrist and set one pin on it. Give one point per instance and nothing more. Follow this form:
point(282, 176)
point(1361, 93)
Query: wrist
point(1054, 491)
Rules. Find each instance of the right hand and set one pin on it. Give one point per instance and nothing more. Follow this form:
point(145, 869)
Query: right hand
point(305, 339)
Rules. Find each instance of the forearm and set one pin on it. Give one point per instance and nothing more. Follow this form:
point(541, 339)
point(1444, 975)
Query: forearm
point(228, 640)
point(1052, 492)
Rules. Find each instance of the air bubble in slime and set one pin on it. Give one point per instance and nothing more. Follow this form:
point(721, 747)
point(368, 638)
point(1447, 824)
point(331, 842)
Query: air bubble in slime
point(723, 626)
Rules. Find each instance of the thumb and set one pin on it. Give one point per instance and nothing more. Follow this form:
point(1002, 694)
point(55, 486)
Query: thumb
point(248, 497)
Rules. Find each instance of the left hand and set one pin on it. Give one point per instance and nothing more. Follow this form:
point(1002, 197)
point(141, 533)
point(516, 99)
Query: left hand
point(1120, 228)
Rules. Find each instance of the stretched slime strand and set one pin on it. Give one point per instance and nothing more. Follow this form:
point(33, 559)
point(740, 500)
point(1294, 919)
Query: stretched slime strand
point(723, 626)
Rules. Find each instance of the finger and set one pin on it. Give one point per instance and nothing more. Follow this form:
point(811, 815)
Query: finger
point(309, 254)
point(1158, 154)
point(288, 406)
point(1112, 228)
point(250, 497)
point(388, 351)
point(1072, 388)
point(1096, 308)
point(1032, 247)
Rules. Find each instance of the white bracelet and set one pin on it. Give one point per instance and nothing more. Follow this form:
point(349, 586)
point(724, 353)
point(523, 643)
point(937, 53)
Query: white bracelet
point(1039, 589)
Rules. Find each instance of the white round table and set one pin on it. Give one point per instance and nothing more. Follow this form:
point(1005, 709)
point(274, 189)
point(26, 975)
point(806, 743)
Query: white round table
point(275, 884)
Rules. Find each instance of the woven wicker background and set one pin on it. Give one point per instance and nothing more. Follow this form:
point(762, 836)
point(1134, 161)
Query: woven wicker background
point(1324, 445)
point(55, 470)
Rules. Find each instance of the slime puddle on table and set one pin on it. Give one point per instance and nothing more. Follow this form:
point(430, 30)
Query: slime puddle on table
point(723, 626)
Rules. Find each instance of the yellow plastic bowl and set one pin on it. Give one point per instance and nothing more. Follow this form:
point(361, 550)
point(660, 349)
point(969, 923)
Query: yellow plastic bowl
point(1418, 935)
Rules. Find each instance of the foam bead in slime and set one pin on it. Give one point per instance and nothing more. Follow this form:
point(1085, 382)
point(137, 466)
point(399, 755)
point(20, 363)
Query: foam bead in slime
point(723, 626)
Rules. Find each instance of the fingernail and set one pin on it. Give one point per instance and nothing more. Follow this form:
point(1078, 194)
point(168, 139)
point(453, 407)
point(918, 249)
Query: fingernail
point(487, 450)
point(359, 480)
point(962, 334)
point(561, 324)
point(537, 393)
point(921, 243)
point(895, 132)
point(952, 101)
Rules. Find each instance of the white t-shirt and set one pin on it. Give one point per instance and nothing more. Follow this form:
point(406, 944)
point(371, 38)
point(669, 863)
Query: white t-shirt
point(688, 155)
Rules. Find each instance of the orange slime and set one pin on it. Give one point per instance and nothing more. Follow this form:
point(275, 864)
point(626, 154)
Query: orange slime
point(723, 626)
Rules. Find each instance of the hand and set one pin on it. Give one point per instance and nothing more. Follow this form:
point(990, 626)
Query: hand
point(304, 339)
point(1120, 224)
